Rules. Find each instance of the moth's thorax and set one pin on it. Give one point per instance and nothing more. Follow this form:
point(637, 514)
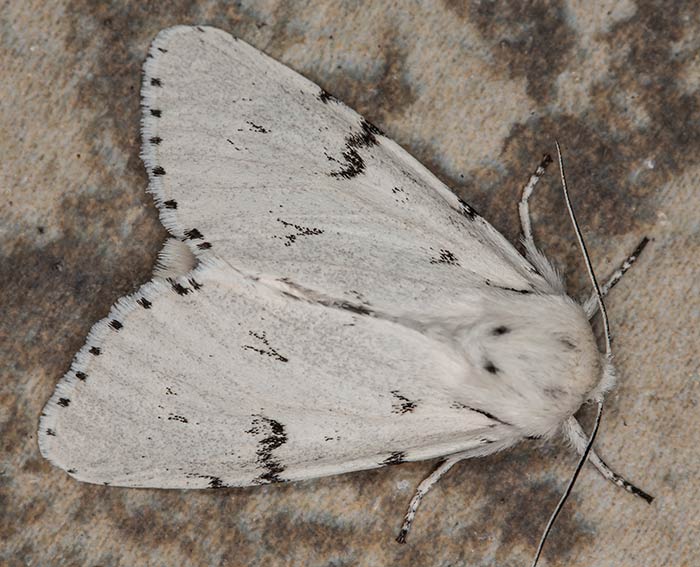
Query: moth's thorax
point(531, 359)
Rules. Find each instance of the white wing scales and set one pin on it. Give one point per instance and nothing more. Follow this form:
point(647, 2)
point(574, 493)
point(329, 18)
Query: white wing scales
point(270, 174)
point(286, 353)
point(217, 380)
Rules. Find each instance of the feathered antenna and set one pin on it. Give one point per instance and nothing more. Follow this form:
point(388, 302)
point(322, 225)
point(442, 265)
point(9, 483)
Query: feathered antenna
point(608, 355)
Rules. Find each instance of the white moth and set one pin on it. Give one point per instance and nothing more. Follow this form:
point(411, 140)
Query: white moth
point(325, 305)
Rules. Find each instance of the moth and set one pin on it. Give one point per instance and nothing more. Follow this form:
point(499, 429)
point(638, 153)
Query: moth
point(325, 303)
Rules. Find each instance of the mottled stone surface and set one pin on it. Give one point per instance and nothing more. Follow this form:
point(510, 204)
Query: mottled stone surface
point(475, 90)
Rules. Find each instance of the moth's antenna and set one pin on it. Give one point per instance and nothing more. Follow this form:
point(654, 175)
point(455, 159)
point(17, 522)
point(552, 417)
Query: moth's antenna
point(587, 259)
point(608, 354)
point(564, 496)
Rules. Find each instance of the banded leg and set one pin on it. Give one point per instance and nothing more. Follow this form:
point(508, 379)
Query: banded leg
point(591, 305)
point(524, 207)
point(574, 432)
point(423, 489)
point(543, 266)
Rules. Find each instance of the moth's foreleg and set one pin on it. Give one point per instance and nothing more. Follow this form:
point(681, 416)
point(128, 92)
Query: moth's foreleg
point(524, 207)
point(576, 436)
point(535, 256)
point(423, 489)
point(591, 304)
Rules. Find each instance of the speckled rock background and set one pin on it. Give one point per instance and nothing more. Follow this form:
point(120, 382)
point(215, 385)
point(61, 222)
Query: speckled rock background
point(475, 90)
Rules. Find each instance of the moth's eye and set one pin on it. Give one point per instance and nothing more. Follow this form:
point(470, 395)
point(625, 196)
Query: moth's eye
point(500, 330)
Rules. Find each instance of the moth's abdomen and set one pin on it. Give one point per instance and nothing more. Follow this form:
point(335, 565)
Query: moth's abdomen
point(532, 359)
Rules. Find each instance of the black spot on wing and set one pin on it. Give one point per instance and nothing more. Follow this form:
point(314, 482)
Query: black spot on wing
point(500, 330)
point(352, 163)
point(171, 204)
point(235, 147)
point(370, 128)
point(491, 367)
point(179, 288)
point(326, 97)
point(80, 375)
point(214, 481)
point(158, 171)
point(396, 458)
point(522, 291)
point(402, 404)
point(467, 210)
point(273, 437)
point(51, 432)
point(400, 195)
point(195, 284)
point(257, 128)
point(162, 50)
point(63, 402)
point(357, 309)
point(143, 302)
point(95, 351)
point(460, 405)
point(156, 82)
point(366, 138)
point(155, 112)
point(300, 231)
point(180, 418)
point(155, 140)
point(193, 234)
point(504, 288)
point(361, 308)
point(204, 246)
point(445, 257)
point(116, 325)
point(264, 347)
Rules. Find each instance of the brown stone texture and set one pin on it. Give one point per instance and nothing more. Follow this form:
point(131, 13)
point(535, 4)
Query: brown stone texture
point(477, 91)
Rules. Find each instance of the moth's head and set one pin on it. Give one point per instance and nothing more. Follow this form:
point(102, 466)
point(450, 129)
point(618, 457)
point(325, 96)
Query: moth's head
point(533, 359)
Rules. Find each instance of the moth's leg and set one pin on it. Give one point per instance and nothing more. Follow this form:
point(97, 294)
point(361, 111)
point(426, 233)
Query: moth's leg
point(423, 489)
point(543, 266)
point(591, 304)
point(524, 207)
point(577, 437)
